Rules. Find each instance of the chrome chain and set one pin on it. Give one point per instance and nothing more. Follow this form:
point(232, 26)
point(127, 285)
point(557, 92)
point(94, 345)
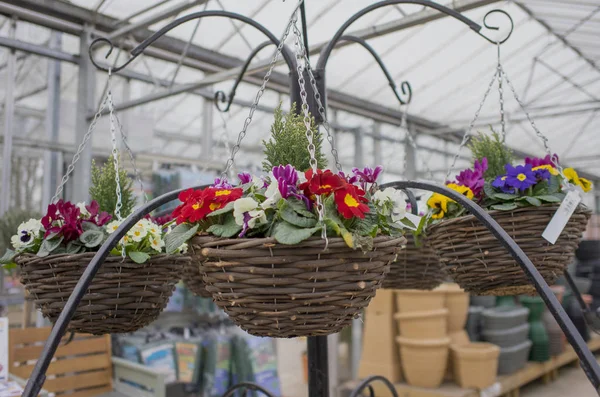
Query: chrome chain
point(80, 148)
point(115, 149)
point(467, 133)
point(501, 96)
point(260, 92)
point(136, 171)
point(413, 143)
point(300, 59)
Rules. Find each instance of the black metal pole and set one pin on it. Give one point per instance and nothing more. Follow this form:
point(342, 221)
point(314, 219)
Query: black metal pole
point(318, 366)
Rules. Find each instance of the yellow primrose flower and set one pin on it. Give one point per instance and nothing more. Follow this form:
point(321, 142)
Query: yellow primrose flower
point(585, 184)
point(156, 243)
point(465, 191)
point(548, 167)
point(574, 178)
point(137, 233)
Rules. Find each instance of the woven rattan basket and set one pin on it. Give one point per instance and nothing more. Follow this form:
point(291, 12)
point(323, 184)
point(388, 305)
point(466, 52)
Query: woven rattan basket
point(193, 279)
point(276, 290)
point(415, 268)
point(477, 261)
point(124, 296)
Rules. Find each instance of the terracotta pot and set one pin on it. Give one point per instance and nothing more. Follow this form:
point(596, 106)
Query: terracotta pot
point(412, 300)
point(424, 361)
point(457, 303)
point(423, 325)
point(475, 364)
point(459, 338)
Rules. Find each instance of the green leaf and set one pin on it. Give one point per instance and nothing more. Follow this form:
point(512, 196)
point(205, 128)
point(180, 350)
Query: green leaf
point(553, 184)
point(286, 233)
point(300, 207)
point(288, 214)
point(334, 220)
point(489, 190)
point(224, 210)
point(228, 229)
point(73, 248)
point(533, 201)
point(505, 207)
point(8, 257)
point(540, 189)
point(179, 235)
point(505, 196)
point(90, 226)
point(368, 225)
point(48, 246)
point(91, 238)
point(10, 266)
point(549, 198)
point(139, 257)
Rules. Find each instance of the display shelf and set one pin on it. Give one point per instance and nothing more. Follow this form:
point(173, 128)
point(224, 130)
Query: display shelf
point(506, 385)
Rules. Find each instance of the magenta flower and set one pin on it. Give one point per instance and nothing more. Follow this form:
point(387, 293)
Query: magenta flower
point(96, 217)
point(287, 180)
point(350, 179)
point(473, 179)
point(536, 161)
point(245, 178)
point(367, 175)
point(63, 219)
point(520, 177)
point(222, 184)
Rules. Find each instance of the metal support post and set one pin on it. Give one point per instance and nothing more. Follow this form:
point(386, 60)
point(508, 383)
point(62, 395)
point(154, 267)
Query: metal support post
point(334, 363)
point(9, 113)
point(207, 128)
point(85, 105)
point(358, 149)
point(318, 369)
point(51, 168)
point(356, 346)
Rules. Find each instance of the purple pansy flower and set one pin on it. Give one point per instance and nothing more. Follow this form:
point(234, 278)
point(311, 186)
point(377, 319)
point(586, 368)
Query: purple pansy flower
point(287, 181)
point(245, 226)
point(520, 177)
point(222, 183)
point(367, 175)
point(473, 179)
point(245, 178)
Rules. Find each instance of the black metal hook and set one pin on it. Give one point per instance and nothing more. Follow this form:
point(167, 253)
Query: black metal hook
point(493, 27)
point(110, 50)
point(404, 86)
point(248, 386)
point(367, 384)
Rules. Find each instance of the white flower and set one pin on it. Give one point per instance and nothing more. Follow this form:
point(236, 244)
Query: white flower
point(391, 203)
point(17, 243)
point(83, 211)
point(125, 240)
point(27, 232)
point(150, 227)
point(156, 243)
point(183, 249)
point(112, 226)
point(257, 183)
point(245, 208)
point(256, 217)
point(32, 226)
point(137, 233)
point(272, 194)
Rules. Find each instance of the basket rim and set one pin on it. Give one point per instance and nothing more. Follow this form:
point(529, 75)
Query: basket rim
point(581, 209)
point(91, 254)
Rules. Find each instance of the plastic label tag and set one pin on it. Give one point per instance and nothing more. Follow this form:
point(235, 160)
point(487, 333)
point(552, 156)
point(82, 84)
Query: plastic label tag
point(415, 219)
point(491, 391)
point(562, 216)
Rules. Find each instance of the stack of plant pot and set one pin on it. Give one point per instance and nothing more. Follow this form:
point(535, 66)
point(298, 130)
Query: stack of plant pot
point(507, 327)
point(477, 305)
point(540, 350)
point(457, 302)
point(424, 343)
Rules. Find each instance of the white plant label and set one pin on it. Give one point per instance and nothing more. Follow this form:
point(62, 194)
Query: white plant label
point(491, 391)
point(562, 216)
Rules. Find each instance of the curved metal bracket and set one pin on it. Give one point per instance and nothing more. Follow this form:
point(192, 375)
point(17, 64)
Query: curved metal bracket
point(221, 97)
point(286, 53)
point(247, 386)
point(588, 361)
point(404, 86)
point(592, 318)
point(327, 50)
point(367, 384)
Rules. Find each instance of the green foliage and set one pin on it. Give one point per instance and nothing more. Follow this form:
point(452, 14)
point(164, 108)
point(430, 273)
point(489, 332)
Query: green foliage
point(179, 235)
point(9, 223)
point(104, 188)
point(544, 192)
point(288, 142)
point(496, 152)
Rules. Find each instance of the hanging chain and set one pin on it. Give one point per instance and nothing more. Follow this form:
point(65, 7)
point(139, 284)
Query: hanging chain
point(539, 133)
point(501, 96)
point(136, 171)
point(413, 143)
point(467, 134)
point(260, 92)
point(115, 149)
point(301, 60)
point(80, 148)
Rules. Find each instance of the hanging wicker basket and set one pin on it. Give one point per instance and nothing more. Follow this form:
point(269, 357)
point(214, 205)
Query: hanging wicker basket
point(193, 279)
point(283, 291)
point(415, 268)
point(124, 296)
point(478, 262)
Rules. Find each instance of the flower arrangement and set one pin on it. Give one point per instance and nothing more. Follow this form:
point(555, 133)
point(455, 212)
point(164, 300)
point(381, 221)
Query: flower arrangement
point(283, 205)
point(69, 228)
point(507, 187)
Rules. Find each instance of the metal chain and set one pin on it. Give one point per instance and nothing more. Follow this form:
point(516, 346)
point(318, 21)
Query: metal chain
point(260, 92)
point(136, 171)
point(115, 149)
point(501, 95)
point(542, 137)
point(80, 148)
point(300, 58)
point(413, 144)
point(465, 138)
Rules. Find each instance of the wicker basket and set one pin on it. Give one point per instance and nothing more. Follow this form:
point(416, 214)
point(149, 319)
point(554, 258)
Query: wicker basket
point(415, 268)
point(193, 279)
point(283, 291)
point(479, 263)
point(124, 296)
